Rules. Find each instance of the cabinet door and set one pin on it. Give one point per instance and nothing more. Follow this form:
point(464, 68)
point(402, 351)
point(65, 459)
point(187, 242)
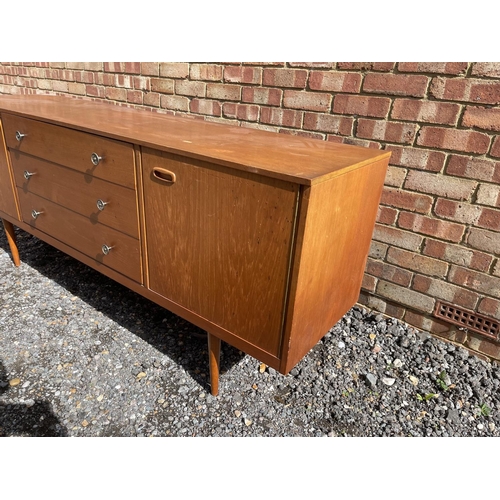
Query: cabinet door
point(7, 200)
point(219, 243)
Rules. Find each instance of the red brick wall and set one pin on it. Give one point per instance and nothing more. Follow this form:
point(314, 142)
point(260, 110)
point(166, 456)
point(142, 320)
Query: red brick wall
point(438, 229)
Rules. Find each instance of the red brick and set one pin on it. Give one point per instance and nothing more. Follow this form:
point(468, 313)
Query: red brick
point(466, 89)
point(489, 219)
point(260, 95)
point(150, 68)
point(362, 105)
point(142, 83)
point(491, 69)
point(152, 99)
point(407, 85)
point(123, 67)
point(495, 150)
point(212, 72)
point(405, 296)
point(387, 215)
point(388, 272)
point(474, 168)
point(397, 237)
point(370, 66)
point(205, 107)
point(483, 348)
point(174, 70)
point(409, 201)
point(84, 76)
point(369, 283)
point(446, 291)
point(116, 94)
point(489, 307)
point(312, 64)
point(307, 100)
point(328, 123)
point(134, 96)
point(295, 78)
point(123, 81)
point(240, 111)
point(243, 74)
point(416, 262)
point(457, 254)
point(435, 326)
point(333, 81)
point(453, 68)
point(459, 140)
point(423, 159)
point(186, 87)
point(281, 117)
point(223, 91)
point(386, 131)
point(441, 185)
point(95, 91)
point(475, 280)
point(425, 111)
point(456, 211)
point(487, 241)
point(433, 227)
point(484, 118)
point(162, 85)
point(177, 103)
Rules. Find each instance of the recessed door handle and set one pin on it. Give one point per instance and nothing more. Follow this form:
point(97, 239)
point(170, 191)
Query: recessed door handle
point(164, 175)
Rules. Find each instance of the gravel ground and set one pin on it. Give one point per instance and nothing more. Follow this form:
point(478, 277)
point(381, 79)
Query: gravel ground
point(83, 356)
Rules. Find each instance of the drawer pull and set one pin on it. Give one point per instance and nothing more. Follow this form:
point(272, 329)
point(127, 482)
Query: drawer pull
point(164, 175)
point(106, 249)
point(27, 174)
point(101, 204)
point(35, 214)
point(20, 135)
point(95, 159)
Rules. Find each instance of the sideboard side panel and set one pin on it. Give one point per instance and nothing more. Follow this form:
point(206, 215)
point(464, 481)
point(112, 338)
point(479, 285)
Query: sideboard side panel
point(8, 203)
point(335, 228)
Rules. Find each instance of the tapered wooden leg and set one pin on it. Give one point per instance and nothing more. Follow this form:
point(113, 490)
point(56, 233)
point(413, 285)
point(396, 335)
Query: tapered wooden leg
point(214, 360)
point(11, 239)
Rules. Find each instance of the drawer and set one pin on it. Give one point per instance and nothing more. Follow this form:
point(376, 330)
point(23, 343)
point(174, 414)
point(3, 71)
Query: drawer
point(78, 192)
point(82, 234)
point(71, 148)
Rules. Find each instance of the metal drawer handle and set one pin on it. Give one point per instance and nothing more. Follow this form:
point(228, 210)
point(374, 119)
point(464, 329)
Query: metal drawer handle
point(106, 249)
point(164, 175)
point(95, 159)
point(27, 174)
point(35, 214)
point(20, 135)
point(101, 204)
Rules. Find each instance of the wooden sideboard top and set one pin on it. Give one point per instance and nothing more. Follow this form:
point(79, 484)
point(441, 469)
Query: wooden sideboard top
point(282, 156)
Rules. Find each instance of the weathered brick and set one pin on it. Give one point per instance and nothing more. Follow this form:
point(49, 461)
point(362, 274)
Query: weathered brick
point(307, 100)
point(489, 307)
point(435, 326)
point(243, 74)
point(496, 270)
point(224, 91)
point(95, 91)
point(354, 141)
point(468, 141)
point(93, 66)
point(406, 85)
point(405, 296)
point(474, 168)
point(481, 345)
point(409, 201)
point(312, 64)
point(84, 76)
point(395, 176)
point(150, 68)
point(211, 72)
point(186, 87)
point(397, 237)
point(387, 215)
point(464, 213)
point(446, 291)
point(466, 89)
point(475, 280)
point(495, 149)
point(457, 254)
point(46, 85)
point(205, 107)
point(449, 231)
point(369, 283)
point(153, 99)
point(386, 131)
point(328, 123)
point(295, 78)
point(423, 159)
point(416, 262)
point(441, 185)
point(123, 81)
point(489, 219)
point(77, 88)
point(491, 69)
point(487, 241)
point(162, 85)
point(484, 118)
point(123, 67)
point(281, 117)
point(135, 96)
point(260, 95)
point(334, 81)
point(364, 66)
point(142, 83)
point(240, 111)
point(378, 250)
point(116, 94)
point(175, 70)
point(425, 111)
point(449, 68)
point(390, 273)
point(362, 105)
point(488, 194)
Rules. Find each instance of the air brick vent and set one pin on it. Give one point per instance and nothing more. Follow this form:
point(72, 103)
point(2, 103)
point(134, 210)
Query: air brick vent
point(467, 319)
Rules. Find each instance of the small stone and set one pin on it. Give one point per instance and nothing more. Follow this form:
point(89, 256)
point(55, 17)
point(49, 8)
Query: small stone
point(388, 381)
point(248, 422)
point(453, 416)
point(262, 368)
point(491, 426)
point(372, 380)
point(255, 387)
point(341, 345)
point(397, 363)
point(480, 427)
point(372, 336)
point(237, 413)
point(14, 382)
point(99, 398)
point(85, 423)
point(140, 375)
point(413, 380)
point(376, 349)
point(26, 384)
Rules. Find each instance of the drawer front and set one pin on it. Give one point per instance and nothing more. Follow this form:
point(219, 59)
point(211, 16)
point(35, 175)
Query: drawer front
point(83, 235)
point(71, 148)
point(78, 192)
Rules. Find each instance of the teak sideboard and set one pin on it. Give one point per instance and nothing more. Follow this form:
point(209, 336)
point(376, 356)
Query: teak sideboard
point(259, 238)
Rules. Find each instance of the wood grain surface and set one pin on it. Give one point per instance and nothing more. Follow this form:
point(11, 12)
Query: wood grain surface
point(8, 202)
